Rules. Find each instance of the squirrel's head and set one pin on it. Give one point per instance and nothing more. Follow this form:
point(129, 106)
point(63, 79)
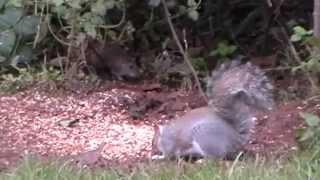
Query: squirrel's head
point(163, 143)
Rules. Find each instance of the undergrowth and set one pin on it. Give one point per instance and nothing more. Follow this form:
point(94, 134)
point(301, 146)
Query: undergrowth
point(50, 78)
point(297, 168)
point(26, 77)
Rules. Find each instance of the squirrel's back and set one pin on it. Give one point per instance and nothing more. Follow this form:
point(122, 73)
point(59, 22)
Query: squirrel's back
point(220, 129)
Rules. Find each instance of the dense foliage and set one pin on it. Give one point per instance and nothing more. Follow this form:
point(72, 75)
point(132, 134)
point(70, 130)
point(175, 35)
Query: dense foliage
point(38, 34)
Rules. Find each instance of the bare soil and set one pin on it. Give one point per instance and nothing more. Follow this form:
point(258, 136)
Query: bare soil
point(114, 124)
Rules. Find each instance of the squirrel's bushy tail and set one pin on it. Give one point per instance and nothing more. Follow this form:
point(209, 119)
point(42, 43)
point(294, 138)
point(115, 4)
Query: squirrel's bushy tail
point(235, 90)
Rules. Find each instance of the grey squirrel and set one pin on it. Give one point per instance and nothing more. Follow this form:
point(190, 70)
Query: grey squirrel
point(219, 130)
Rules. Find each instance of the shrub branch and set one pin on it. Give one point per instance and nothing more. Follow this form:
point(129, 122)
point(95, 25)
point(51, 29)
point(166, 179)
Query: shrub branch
point(182, 51)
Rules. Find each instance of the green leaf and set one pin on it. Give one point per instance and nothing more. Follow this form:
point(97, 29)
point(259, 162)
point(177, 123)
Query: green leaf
point(192, 3)
point(299, 30)
point(15, 3)
point(311, 119)
point(295, 38)
point(223, 49)
point(61, 11)
point(90, 29)
point(100, 7)
point(76, 4)
point(300, 33)
point(310, 32)
point(182, 9)
point(194, 15)
point(27, 26)
point(7, 42)
point(110, 4)
point(10, 17)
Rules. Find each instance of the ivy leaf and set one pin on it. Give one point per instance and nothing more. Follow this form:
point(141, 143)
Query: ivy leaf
point(15, 3)
point(194, 15)
point(10, 17)
point(7, 42)
point(89, 22)
point(110, 4)
point(76, 4)
point(295, 38)
point(27, 26)
point(300, 33)
point(99, 7)
point(223, 49)
point(192, 3)
point(90, 29)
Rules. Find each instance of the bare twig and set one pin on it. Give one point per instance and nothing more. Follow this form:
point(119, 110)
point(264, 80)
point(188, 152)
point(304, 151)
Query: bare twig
point(277, 69)
point(54, 35)
point(184, 53)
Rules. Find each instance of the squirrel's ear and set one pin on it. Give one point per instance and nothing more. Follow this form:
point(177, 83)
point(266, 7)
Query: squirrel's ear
point(242, 95)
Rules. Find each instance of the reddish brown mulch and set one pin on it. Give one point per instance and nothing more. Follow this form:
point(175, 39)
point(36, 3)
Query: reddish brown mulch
point(274, 133)
point(122, 117)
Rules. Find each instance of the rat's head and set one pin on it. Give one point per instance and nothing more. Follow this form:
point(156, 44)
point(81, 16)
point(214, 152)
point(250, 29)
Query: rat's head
point(126, 69)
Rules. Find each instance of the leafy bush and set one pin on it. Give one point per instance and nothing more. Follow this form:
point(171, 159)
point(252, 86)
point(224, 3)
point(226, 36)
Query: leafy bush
point(18, 30)
point(309, 137)
point(309, 62)
point(24, 77)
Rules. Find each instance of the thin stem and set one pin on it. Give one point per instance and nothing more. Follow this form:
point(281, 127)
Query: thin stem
point(184, 53)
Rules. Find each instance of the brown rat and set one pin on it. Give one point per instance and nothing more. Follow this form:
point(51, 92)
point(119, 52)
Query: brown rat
point(111, 60)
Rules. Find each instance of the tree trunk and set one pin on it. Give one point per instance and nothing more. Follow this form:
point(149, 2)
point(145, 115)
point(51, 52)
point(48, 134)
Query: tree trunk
point(316, 18)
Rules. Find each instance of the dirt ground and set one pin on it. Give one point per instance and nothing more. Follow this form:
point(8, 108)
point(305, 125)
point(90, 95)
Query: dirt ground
point(114, 124)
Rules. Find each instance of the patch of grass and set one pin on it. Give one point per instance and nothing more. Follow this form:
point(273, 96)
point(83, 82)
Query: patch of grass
point(297, 168)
